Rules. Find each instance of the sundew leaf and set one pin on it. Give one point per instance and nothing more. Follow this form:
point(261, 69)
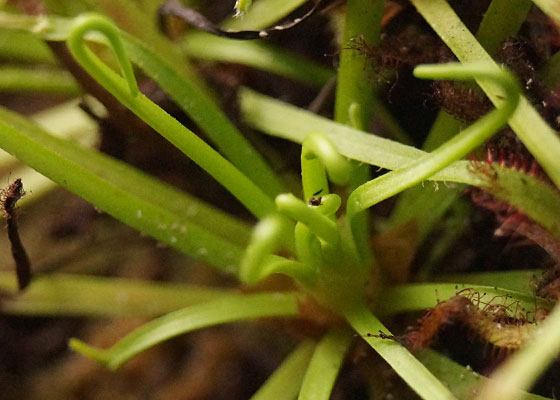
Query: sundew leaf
point(536, 199)
point(183, 89)
point(550, 8)
point(137, 22)
point(262, 14)
point(127, 194)
point(24, 47)
point(264, 56)
point(416, 203)
point(37, 80)
point(517, 280)
point(462, 381)
point(539, 138)
point(420, 296)
point(230, 309)
point(416, 375)
point(325, 365)
point(79, 295)
point(522, 369)
point(125, 90)
point(285, 382)
point(206, 114)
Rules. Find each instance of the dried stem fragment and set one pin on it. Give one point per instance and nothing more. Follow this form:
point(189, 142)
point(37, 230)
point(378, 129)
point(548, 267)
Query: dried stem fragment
point(8, 199)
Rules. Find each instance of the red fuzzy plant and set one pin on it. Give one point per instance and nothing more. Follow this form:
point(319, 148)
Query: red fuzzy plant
point(501, 322)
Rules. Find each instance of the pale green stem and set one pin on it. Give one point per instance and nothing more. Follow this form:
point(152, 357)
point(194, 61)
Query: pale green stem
point(261, 55)
point(79, 295)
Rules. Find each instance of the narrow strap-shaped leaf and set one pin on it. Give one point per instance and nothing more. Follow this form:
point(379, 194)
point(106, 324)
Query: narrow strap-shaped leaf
point(493, 30)
point(206, 114)
point(354, 100)
point(550, 8)
point(79, 295)
point(462, 381)
point(325, 365)
point(262, 14)
point(126, 91)
point(256, 54)
point(230, 309)
point(182, 88)
point(523, 368)
point(518, 280)
point(541, 140)
point(495, 27)
point(420, 296)
point(363, 17)
point(121, 191)
point(285, 382)
point(399, 358)
point(534, 198)
point(37, 80)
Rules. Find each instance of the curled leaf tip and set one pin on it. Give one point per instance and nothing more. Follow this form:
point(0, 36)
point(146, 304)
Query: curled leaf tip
point(85, 349)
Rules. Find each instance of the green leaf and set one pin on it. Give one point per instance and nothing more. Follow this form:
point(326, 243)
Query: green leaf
point(522, 369)
point(285, 383)
point(230, 309)
point(37, 80)
point(24, 47)
point(325, 365)
point(539, 138)
point(183, 88)
point(399, 358)
point(533, 197)
point(262, 14)
point(363, 17)
point(420, 296)
point(495, 28)
point(550, 8)
point(127, 194)
point(206, 114)
point(518, 280)
point(255, 54)
point(77, 295)
point(462, 381)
